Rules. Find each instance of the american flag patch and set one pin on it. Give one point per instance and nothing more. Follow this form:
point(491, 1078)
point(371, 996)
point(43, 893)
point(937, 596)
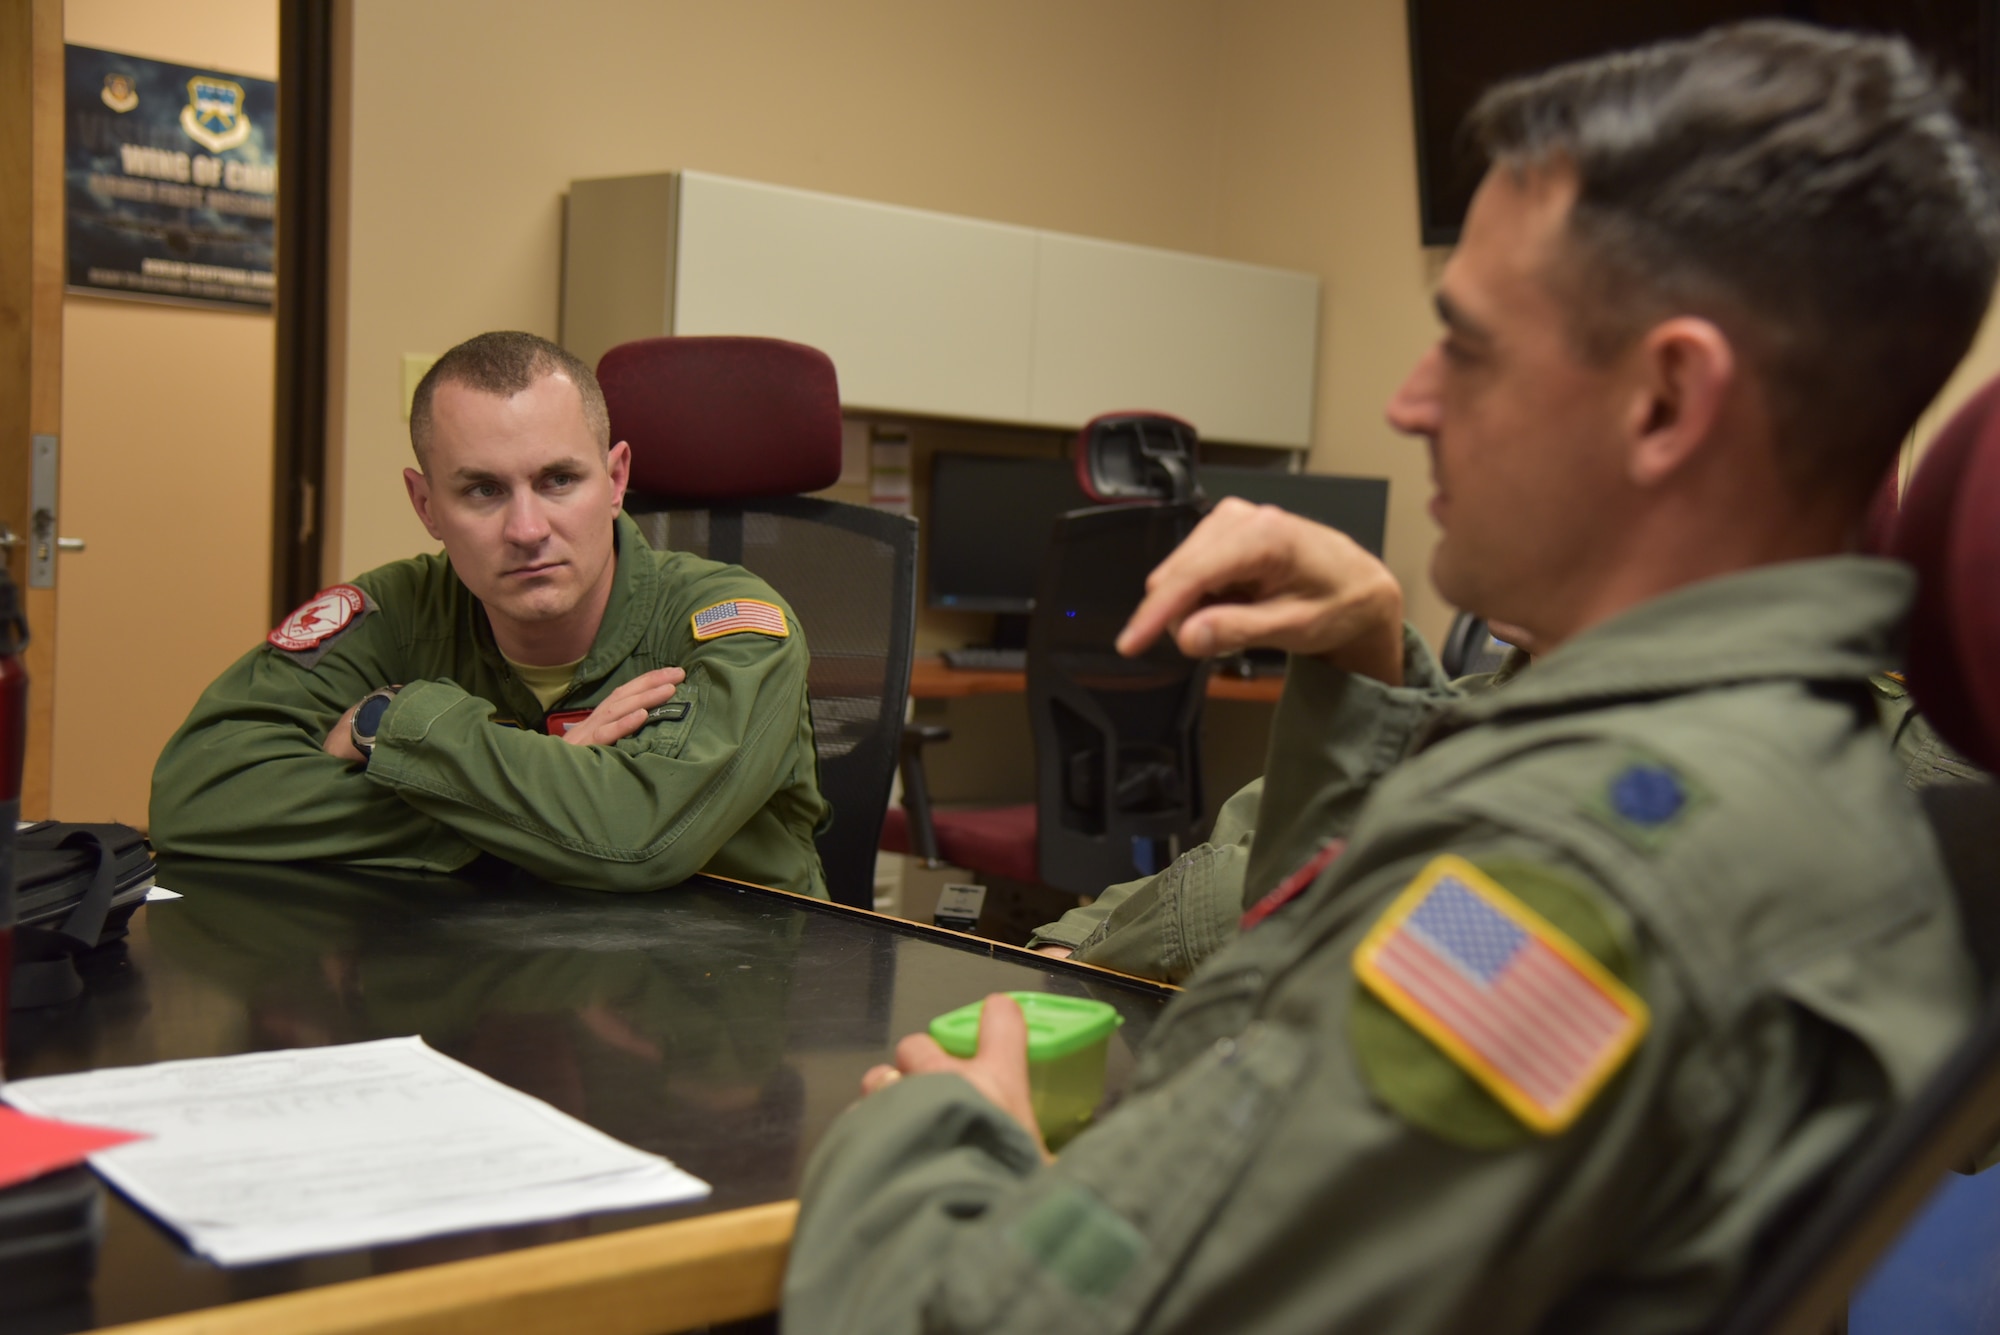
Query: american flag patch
point(738, 615)
point(1523, 1009)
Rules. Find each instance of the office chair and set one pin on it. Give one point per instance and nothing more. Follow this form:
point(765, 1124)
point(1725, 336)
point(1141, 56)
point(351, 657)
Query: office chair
point(1949, 529)
point(1117, 741)
point(1469, 648)
point(724, 433)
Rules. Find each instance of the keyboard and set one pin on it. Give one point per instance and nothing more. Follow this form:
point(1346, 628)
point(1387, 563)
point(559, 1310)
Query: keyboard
point(984, 658)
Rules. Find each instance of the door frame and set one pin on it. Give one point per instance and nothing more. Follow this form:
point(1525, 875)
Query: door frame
point(31, 332)
point(306, 34)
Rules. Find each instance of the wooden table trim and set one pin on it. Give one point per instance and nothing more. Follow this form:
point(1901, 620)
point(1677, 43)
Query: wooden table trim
point(930, 679)
point(643, 1281)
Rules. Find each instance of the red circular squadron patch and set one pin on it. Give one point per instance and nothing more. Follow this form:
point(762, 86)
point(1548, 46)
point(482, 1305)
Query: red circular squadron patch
point(327, 613)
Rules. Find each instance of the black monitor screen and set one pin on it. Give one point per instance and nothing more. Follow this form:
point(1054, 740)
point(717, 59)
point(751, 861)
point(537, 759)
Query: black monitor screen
point(989, 522)
point(1357, 506)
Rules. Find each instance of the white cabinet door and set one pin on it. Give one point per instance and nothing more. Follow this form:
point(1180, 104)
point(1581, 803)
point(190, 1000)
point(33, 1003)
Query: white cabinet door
point(921, 312)
point(1230, 347)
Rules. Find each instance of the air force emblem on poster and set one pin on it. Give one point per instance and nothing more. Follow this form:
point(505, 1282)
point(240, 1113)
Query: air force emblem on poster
point(119, 94)
point(214, 115)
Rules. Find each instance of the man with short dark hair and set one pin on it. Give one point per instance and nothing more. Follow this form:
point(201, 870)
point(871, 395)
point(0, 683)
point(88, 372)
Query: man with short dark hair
point(1618, 963)
point(549, 689)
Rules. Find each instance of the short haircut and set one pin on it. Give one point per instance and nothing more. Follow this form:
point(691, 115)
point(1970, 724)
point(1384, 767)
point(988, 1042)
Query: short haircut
point(504, 363)
point(1809, 190)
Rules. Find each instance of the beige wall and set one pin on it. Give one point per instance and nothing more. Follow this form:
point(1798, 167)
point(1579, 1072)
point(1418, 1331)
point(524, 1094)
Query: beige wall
point(1319, 173)
point(1276, 133)
point(166, 472)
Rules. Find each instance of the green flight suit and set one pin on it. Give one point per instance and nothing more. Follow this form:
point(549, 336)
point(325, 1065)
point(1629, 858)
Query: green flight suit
point(1163, 925)
point(1295, 1157)
point(1926, 757)
point(726, 782)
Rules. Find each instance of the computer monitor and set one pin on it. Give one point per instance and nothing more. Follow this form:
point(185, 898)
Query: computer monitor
point(990, 518)
point(1357, 506)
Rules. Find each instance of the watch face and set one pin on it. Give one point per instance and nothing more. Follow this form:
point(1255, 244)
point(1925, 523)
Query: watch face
point(368, 718)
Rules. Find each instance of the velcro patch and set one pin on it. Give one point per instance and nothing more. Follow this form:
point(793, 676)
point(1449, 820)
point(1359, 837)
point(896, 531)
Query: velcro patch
point(1292, 886)
point(1512, 1000)
point(1080, 1240)
point(320, 618)
point(558, 724)
point(738, 615)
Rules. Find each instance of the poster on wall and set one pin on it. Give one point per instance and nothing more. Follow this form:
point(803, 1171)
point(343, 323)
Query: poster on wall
point(171, 180)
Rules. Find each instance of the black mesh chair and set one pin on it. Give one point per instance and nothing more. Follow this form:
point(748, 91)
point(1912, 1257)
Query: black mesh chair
point(1117, 740)
point(1469, 648)
point(724, 433)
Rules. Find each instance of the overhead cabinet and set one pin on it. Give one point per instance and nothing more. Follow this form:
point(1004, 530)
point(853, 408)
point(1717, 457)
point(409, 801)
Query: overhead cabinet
point(925, 313)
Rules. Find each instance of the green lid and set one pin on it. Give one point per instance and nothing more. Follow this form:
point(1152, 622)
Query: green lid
point(1057, 1026)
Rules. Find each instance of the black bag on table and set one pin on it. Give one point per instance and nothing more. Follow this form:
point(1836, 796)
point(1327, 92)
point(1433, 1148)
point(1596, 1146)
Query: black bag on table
point(75, 888)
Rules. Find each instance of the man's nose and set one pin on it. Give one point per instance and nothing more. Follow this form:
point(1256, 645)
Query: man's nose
point(1414, 408)
point(527, 526)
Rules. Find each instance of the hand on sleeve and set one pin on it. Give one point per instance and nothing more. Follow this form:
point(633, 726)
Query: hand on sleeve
point(624, 711)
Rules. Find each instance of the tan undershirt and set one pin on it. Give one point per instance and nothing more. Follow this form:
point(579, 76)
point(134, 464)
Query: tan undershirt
point(549, 684)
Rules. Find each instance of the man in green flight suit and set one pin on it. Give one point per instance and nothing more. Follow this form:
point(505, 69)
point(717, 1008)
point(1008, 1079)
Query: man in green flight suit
point(549, 689)
point(1163, 926)
point(1620, 961)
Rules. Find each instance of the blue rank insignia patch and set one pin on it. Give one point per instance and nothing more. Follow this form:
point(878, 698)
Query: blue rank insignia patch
point(1647, 794)
point(739, 615)
point(1644, 800)
point(1530, 1015)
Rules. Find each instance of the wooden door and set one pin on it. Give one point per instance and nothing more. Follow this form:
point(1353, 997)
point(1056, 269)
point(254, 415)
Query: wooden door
point(31, 311)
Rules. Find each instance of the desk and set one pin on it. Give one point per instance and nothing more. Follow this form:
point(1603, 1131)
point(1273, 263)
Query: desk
point(930, 679)
point(719, 1024)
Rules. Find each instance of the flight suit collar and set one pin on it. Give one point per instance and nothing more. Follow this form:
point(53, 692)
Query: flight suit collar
point(634, 588)
point(1833, 619)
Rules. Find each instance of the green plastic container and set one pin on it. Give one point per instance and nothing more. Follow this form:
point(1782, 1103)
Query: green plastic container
point(1067, 1041)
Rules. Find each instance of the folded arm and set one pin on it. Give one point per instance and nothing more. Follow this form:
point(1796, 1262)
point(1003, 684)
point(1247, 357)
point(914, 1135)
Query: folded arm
point(643, 812)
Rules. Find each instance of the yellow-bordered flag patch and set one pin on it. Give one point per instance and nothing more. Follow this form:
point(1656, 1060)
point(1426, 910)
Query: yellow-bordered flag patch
point(1524, 1010)
point(738, 615)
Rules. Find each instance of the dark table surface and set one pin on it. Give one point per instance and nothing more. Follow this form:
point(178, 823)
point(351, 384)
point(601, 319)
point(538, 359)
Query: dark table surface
point(720, 1025)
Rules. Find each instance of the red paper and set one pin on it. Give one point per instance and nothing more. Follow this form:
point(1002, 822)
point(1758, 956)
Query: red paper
point(32, 1146)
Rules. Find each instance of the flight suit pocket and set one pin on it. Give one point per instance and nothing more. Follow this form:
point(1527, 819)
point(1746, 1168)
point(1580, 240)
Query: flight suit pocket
point(1093, 1249)
point(667, 726)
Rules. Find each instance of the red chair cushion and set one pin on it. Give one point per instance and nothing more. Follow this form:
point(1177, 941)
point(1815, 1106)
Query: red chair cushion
point(1878, 527)
point(1949, 529)
point(995, 841)
point(715, 420)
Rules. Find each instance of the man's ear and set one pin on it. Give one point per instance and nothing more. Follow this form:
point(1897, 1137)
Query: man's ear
point(618, 462)
point(1687, 369)
point(419, 488)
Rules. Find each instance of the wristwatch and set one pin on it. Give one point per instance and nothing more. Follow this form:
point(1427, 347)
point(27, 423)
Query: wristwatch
point(368, 718)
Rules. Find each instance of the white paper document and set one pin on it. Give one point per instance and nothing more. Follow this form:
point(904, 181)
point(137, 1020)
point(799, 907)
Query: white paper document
point(271, 1155)
point(156, 893)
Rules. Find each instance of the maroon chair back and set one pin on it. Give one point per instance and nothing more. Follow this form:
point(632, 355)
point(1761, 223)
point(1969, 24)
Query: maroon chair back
point(1878, 526)
point(726, 433)
point(721, 420)
point(1949, 529)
